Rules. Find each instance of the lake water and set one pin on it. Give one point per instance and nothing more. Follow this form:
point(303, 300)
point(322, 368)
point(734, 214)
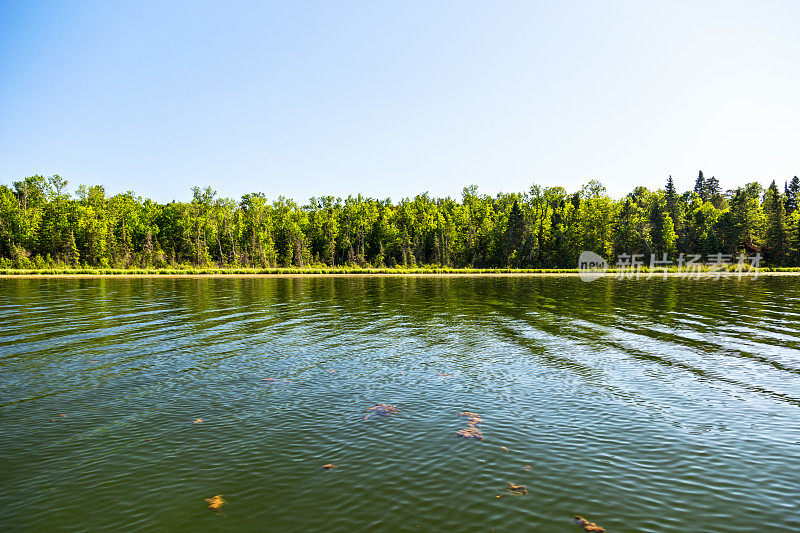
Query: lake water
point(658, 405)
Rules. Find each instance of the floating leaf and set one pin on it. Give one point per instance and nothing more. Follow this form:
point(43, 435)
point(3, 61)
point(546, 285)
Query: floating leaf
point(198, 421)
point(473, 419)
point(470, 433)
point(330, 466)
point(588, 526)
point(216, 502)
point(517, 489)
point(381, 409)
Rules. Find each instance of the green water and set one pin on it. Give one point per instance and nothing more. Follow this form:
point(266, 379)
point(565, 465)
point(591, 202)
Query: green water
point(660, 405)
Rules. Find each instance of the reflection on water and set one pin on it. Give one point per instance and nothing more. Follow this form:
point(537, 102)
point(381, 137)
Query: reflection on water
point(661, 405)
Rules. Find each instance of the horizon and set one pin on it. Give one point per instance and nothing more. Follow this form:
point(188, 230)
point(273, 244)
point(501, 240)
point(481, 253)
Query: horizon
point(390, 101)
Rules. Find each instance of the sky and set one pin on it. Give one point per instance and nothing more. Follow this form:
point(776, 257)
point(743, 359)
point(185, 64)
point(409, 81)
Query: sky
point(393, 99)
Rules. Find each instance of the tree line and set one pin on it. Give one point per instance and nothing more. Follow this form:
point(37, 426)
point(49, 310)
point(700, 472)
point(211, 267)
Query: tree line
point(43, 225)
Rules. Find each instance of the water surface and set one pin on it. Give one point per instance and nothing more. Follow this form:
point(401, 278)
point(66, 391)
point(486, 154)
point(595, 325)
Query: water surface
point(659, 405)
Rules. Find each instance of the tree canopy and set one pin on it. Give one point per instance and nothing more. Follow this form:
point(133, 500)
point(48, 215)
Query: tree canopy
point(42, 225)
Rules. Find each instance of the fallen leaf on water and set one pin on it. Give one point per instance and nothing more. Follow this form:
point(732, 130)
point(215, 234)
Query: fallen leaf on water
point(473, 419)
point(198, 421)
point(381, 409)
point(504, 449)
point(216, 502)
point(528, 468)
point(470, 433)
point(444, 375)
point(329, 466)
point(517, 489)
point(332, 371)
point(588, 526)
point(94, 361)
point(63, 416)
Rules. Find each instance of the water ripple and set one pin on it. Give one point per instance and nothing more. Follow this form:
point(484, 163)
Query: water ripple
point(661, 405)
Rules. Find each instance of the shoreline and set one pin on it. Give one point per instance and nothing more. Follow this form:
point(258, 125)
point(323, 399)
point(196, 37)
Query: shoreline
point(345, 274)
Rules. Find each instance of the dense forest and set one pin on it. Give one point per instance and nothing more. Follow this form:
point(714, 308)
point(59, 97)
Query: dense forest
point(42, 225)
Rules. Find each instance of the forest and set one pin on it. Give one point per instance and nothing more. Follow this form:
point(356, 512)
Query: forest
point(43, 225)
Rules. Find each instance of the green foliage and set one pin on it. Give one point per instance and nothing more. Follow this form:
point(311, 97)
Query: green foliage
point(662, 230)
point(43, 227)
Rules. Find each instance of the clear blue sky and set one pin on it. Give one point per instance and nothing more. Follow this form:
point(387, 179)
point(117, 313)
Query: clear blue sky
point(391, 99)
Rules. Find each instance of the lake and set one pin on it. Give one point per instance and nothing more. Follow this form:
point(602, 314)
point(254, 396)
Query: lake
point(649, 405)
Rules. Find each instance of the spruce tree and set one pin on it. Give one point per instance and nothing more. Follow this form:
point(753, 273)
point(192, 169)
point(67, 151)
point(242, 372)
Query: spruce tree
point(671, 197)
point(776, 238)
point(792, 191)
point(712, 187)
point(714, 192)
point(700, 186)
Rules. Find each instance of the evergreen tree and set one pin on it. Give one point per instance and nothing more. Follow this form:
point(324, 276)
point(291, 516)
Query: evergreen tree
point(713, 192)
point(671, 196)
point(712, 187)
point(792, 192)
point(700, 186)
point(776, 238)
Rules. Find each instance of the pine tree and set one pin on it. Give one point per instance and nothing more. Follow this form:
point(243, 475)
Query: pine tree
point(700, 186)
point(713, 192)
point(671, 197)
point(792, 191)
point(776, 238)
point(712, 187)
